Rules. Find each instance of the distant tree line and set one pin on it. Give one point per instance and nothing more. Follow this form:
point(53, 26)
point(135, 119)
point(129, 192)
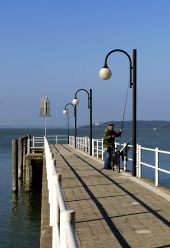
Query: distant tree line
point(128, 124)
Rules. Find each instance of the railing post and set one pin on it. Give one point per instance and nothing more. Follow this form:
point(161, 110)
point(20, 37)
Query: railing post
point(102, 149)
point(97, 148)
point(124, 161)
point(156, 167)
point(139, 161)
point(66, 216)
point(81, 145)
point(137, 171)
point(33, 141)
point(56, 140)
point(84, 144)
point(76, 142)
point(88, 142)
point(93, 147)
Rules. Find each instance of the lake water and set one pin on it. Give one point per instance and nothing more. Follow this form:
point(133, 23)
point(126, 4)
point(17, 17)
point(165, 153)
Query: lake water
point(20, 215)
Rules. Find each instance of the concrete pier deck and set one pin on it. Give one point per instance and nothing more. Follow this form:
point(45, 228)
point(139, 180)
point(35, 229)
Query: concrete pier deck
point(112, 209)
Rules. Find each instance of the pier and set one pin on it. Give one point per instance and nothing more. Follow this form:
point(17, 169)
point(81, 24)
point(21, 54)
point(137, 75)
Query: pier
point(84, 205)
point(112, 209)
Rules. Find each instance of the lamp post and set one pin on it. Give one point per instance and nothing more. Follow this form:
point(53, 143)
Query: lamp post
point(75, 102)
point(66, 112)
point(105, 73)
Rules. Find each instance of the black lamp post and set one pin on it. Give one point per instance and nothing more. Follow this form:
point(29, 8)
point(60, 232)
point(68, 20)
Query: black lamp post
point(66, 112)
point(75, 102)
point(105, 73)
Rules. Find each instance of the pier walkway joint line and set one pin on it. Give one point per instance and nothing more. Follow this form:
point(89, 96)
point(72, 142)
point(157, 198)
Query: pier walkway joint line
point(111, 209)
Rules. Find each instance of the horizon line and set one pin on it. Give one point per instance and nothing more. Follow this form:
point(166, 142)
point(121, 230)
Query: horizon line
point(63, 126)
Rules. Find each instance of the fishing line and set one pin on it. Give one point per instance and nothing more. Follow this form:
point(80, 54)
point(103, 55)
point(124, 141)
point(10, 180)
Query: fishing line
point(124, 110)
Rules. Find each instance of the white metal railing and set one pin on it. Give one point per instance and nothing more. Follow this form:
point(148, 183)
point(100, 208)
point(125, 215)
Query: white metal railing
point(98, 151)
point(62, 220)
point(57, 138)
point(97, 148)
point(38, 141)
point(35, 142)
point(156, 166)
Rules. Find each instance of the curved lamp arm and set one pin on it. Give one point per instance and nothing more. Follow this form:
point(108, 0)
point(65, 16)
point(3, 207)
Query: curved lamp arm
point(71, 105)
point(130, 64)
point(87, 94)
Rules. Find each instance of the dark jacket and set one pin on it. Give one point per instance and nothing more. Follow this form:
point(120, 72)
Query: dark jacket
point(109, 137)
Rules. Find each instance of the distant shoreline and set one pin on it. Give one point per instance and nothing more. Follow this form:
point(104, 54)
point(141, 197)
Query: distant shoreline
point(127, 124)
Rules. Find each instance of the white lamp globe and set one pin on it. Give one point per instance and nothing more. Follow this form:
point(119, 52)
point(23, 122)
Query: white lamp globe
point(64, 112)
point(75, 101)
point(105, 73)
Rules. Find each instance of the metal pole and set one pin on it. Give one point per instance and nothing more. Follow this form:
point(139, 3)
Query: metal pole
point(45, 126)
point(90, 122)
point(134, 113)
point(75, 128)
point(68, 124)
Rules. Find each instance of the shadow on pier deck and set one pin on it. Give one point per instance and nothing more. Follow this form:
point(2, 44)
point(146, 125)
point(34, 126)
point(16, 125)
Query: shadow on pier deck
point(112, 209)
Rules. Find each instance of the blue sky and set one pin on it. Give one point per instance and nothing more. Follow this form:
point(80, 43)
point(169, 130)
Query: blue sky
point(53, 48)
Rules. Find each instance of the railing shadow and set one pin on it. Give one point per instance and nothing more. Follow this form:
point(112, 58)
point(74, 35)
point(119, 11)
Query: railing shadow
point(156, 214)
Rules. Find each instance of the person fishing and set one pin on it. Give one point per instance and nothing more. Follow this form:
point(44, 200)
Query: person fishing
point(109, 136)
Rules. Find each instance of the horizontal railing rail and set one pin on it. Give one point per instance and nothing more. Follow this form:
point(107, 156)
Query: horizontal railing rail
point(156, 166)
point(57, 139)
point(62, 220)
point(98, 151)
point(34, 142)
point(38, 141)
